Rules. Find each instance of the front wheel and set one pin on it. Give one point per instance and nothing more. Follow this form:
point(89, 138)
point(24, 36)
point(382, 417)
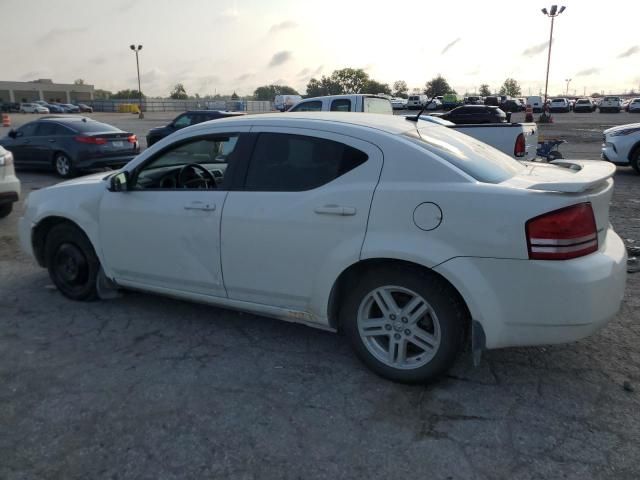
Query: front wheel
point(404, 324)
point(5, 209)
point(72, 262)
point(63, 165)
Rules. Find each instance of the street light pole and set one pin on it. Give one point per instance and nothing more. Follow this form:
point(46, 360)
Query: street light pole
point(136, 50)
point(553, 13)
point(568, 80)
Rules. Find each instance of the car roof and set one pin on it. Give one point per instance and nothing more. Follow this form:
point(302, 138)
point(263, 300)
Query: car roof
point(221, 112)
point(65, 118)
point(392, 124)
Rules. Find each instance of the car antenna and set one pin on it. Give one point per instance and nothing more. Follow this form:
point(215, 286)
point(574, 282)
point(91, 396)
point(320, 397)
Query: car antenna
point(417, 117)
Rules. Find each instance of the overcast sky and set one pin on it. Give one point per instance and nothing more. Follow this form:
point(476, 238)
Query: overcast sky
point(226, 45)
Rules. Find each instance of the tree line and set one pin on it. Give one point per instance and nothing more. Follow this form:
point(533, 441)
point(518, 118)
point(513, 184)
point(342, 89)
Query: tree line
point(342, 81)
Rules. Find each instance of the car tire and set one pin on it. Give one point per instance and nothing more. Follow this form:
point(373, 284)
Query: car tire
point(63, 165)
point(72, 262)
point(634, 160)
point(5, 209)
point(414, 347)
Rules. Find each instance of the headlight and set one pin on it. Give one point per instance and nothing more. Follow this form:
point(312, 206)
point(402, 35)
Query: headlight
point(626, 131)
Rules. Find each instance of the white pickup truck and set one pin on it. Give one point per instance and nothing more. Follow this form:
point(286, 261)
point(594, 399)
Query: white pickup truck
point(518, 140)
point(357, 102)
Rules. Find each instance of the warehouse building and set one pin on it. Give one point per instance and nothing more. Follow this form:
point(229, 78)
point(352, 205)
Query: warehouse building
point(44, 89)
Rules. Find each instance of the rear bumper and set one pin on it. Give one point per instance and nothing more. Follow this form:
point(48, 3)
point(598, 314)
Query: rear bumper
point(529, 302)
point(9, 189)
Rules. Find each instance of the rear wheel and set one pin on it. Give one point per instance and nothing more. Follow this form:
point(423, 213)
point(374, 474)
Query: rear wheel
point(635, 160)
point(404, 324)
point(63, 165)
point(72, 262)
point(5, 209)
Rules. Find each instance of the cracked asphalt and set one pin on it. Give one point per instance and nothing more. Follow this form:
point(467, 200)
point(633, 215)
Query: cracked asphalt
point(144, 387)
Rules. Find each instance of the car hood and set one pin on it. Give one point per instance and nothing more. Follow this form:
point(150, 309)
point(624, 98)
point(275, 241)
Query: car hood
point(94, 178)
point(622, 127)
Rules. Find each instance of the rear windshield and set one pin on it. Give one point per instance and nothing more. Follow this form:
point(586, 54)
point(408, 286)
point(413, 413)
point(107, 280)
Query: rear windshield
point(93, 127)
point(377, 105)
point(477, 159)
point(611, 99)
point(583, 101)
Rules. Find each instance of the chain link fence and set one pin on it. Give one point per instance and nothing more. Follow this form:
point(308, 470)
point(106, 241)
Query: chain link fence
point(171, 105)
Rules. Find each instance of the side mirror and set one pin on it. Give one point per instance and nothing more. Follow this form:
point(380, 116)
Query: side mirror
point(12, 133)
point(119, 182)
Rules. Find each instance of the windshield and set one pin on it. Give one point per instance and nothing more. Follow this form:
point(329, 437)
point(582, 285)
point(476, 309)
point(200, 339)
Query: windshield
point(479, 160)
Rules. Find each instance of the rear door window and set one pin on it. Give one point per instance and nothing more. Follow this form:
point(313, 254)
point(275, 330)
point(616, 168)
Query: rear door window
point(293, 163)
point(376, 105)
point(341, 105)
point(28, 130)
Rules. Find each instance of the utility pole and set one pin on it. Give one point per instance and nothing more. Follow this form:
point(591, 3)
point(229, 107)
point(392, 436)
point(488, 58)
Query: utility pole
point(552, 13)
point(136, 50)
point(568, 80)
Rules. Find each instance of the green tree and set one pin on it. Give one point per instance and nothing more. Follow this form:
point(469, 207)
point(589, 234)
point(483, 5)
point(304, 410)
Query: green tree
point(511, 88)
point(400, 89)
point(596, 95)
point(126, 94)
point(179, 92)
point(234, 96)
point(324, 86)
point(268, 92)
point(351, 80)
point(372, 86)
point(78, 81)
point(485, 91)
point(438, 86)
point(100, 94)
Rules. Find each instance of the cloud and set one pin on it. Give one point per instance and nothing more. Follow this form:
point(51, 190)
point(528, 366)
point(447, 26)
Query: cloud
point(244, 76)
point(535, 49)
point(280, 58)
point(56, 34)
point(588, 71)
point(631, 51)
point(229, 14)
point(304, 72)
point(278, 27)
point(449, 45)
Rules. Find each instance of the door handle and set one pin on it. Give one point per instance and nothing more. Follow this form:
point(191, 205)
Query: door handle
point(51, 140)
point(200, 206)
point(335, 210)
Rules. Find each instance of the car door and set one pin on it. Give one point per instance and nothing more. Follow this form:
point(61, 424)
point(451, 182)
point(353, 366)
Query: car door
point(162, 234)
point(303, 208)
point(22, 146)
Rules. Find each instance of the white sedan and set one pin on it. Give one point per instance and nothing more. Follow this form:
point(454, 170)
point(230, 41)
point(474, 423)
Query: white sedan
point(9, 183)
point(409, 238)
point(33, 108)
point(621, 145)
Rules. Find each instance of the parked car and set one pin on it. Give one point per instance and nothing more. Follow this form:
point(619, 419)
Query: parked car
point(584, 105)
point(610, 104)
point(536, 103)
point(345, 103)
point(474, 100)
point(625, 104)
point(10, 107)
point(452, 100)
point(33, 108)
point(512, 105)
point(9, 183)
point(492, 101)
point(434, 104)
point(475, 114)
point(560, 105)
point(285, 102)
point(186, 119)
point(55, 108)
point(70, 108)
point(399, 103)
point(621, 145)
point(85, 108)
point(634, 105)
point(70, 144)
point(416, 102)
point(349, 211)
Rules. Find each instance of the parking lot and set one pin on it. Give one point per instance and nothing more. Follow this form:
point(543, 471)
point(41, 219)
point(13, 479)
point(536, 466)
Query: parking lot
point(148, 387)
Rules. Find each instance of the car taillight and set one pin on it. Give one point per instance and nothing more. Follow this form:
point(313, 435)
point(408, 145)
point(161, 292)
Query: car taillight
point(520, 149)
point(132, 139)
point(562, 234)
point(90, 140)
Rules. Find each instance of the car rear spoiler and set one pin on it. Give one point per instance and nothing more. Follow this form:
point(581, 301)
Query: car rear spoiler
point(587, 175)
